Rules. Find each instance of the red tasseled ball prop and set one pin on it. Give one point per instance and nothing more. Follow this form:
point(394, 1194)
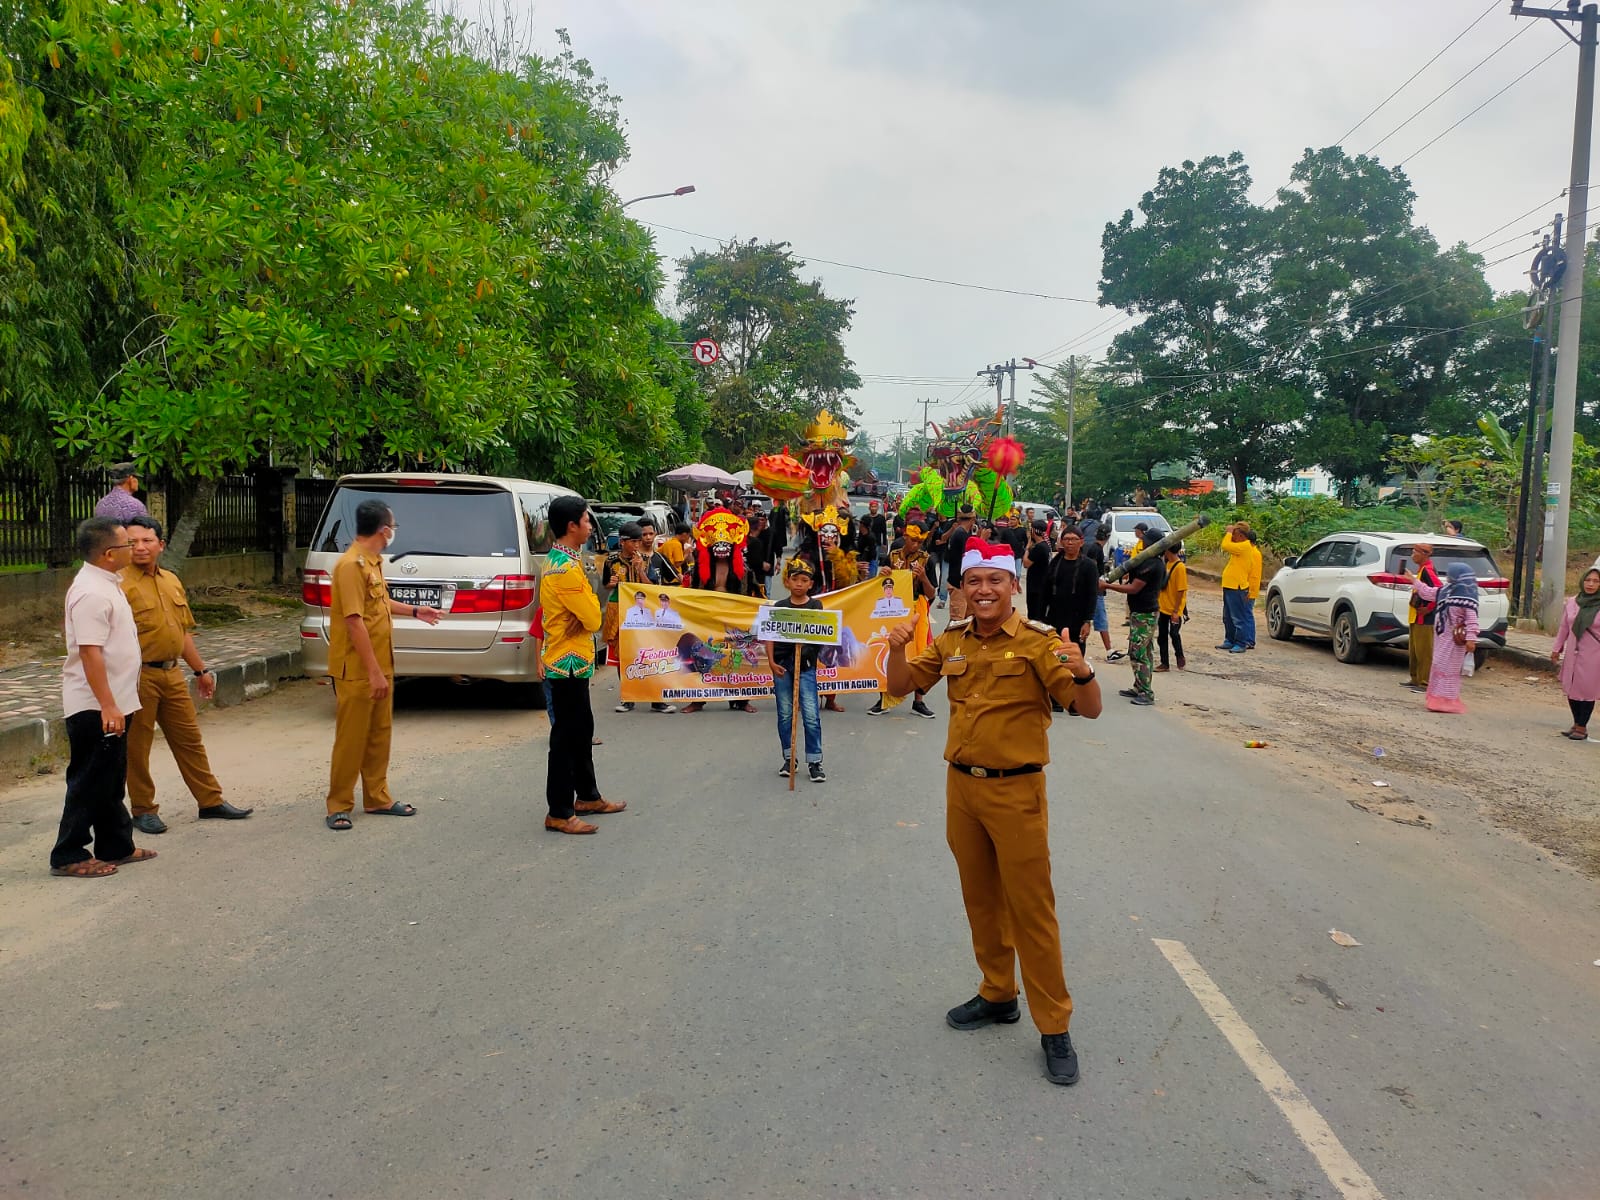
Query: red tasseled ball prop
point(1005, 455)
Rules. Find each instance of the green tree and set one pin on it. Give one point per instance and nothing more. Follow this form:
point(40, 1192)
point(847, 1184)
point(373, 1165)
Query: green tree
point(68, 313)
point(1369, 314)
point(782, 342)
point(363, 243)
point(1196, 267)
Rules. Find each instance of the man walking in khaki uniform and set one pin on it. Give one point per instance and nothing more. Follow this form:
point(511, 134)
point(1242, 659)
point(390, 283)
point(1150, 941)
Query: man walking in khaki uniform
point(165, 627)
point(1002, 673)
point(361, 661)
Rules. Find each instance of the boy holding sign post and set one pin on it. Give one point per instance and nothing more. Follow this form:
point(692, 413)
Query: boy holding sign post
point(794, 678)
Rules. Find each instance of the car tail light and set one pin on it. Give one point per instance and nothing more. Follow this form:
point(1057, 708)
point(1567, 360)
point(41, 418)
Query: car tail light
point(417, 482)
point(1495, 585)
point(316, 588)
point(503, 593)
point(1386, 580)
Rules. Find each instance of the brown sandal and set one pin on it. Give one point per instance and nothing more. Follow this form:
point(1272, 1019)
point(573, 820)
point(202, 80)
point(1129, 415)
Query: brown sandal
point(570, 825)
point(89, 868)
point(138, 856)
point(602, 806)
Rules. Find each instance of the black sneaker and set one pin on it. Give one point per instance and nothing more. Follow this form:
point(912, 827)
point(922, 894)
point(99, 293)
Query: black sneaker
point(818, 775)
point(783, 771)
point(921, 709)
point(625, 706)
point(1130, 693)
point(1142, 700)
point(978, 1012)
point(1060, 1059)
point(877, 709)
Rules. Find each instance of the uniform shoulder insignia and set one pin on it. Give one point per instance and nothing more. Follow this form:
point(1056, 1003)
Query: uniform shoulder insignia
point(962, 623)
point(1041, 627)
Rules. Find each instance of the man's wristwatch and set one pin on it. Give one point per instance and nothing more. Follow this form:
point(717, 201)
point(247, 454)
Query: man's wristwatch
point(1089, 678)
point(414, 612)
point(202, 671)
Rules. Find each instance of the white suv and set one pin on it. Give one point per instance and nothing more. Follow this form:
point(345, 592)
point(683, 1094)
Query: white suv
point(1352, 586)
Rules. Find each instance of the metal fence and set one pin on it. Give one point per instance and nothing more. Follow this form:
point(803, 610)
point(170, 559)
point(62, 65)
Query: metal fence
point(249, 513)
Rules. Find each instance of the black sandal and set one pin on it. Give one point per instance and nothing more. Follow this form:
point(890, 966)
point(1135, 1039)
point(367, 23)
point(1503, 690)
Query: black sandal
point(338, 821)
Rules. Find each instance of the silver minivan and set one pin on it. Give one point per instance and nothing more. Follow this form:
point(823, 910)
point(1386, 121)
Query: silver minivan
point(473, 546)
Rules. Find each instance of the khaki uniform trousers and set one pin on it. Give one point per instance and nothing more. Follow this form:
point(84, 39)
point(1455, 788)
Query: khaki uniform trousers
point(997, 829)
point(164, 700)
point(361, 735)
point(1419, 648)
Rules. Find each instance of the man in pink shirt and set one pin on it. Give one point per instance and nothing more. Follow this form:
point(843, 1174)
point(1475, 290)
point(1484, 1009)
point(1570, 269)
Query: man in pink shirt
point(99, 688)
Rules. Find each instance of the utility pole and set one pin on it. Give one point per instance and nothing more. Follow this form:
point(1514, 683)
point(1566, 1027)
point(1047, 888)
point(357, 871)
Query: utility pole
point(899, 441)
point(1072, 412)
point(926, 404)
point(1558, 492)
point(1546, 273)
point(997, 371)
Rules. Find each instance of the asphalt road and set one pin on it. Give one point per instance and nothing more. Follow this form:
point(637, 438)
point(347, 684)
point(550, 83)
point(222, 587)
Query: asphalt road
point(735, 991)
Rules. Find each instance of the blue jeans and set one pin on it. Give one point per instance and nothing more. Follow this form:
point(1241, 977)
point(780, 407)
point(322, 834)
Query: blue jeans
point(549, 709)
point(1238, 617)
point(810, 716)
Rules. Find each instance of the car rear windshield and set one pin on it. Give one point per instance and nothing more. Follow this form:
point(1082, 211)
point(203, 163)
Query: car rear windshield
point(1124, 522)
point(1476, 557)
point(429, 521)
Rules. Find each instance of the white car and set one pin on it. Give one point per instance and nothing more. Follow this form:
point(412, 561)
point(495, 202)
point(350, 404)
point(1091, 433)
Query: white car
point(1122, 522)
point(1353, 587)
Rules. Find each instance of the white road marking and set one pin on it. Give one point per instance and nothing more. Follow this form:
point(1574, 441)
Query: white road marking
point(1317, 1135)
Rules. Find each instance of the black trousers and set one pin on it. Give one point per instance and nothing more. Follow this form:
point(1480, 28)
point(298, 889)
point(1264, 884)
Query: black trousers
point(94, 812)
point(569, 776)
point(1165, 631)
point(1582, 710)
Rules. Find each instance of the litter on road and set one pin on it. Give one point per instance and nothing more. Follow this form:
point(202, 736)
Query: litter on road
point(1342, 938)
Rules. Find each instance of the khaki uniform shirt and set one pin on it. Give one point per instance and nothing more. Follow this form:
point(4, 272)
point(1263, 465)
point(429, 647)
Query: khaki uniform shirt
point(160, 612)
point(1000, 688)
point(359, 591)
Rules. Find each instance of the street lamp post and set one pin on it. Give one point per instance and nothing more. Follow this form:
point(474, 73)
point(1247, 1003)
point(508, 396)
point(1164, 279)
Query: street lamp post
point(683, 191)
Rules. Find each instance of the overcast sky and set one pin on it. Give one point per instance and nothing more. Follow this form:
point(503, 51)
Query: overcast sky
point(989, 141)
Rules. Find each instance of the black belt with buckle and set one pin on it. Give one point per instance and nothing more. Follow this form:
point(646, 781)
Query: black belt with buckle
point(160, 666)
point(997, 772)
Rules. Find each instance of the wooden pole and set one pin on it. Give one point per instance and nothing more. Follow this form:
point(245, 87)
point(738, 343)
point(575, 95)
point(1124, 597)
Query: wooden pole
point(794, 722)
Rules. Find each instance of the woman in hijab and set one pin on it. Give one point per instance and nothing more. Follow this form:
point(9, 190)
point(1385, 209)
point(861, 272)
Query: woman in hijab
point(1578, 640)
point(1455, 635)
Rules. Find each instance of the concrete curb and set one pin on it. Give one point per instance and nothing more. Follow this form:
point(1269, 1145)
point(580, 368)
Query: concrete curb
point(28, 743)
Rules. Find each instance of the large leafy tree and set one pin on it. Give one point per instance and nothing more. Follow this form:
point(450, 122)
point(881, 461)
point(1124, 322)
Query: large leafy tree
point(782, 340)
point(1372, 316)
point(1202, 361)
point(362, 243)
point(68, 315)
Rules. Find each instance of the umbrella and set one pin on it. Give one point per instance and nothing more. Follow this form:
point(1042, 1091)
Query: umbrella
point(747, 478)
point(697, 477)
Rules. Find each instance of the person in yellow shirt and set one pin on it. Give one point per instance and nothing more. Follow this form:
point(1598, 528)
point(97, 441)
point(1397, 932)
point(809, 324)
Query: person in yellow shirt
point(571, 614)
point(1173, 605)
point(1238, 598)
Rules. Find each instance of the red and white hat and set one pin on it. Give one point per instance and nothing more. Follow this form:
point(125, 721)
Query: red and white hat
point(980, 553)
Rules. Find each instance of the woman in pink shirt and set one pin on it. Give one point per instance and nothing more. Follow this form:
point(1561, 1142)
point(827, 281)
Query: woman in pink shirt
point(1577, 649)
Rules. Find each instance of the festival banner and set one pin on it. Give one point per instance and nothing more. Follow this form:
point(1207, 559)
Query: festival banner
point(679, 644)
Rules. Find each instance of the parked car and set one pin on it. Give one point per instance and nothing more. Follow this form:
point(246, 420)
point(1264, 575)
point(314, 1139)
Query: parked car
point(1353, 587)
point(1122, 521)
point(612, 515)
point(471, 545)
point(1048, 512)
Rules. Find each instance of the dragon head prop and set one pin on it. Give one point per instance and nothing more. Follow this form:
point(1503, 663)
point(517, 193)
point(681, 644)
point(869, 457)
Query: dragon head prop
point(958, 449)
point(824, 455)
point(721, 534)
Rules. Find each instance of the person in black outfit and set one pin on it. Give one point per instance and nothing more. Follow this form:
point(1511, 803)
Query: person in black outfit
point(950, 545)
point(1074, 585)
point(1038, 576)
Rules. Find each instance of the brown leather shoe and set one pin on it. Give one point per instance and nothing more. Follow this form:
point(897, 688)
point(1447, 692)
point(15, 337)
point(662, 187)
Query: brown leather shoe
point(570, 825)
point(587, 807)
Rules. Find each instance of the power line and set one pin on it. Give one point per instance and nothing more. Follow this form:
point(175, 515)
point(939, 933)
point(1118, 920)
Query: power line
point(1487, 102)
point(1447, 90)
point(832, 262)
point(1493, 4)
